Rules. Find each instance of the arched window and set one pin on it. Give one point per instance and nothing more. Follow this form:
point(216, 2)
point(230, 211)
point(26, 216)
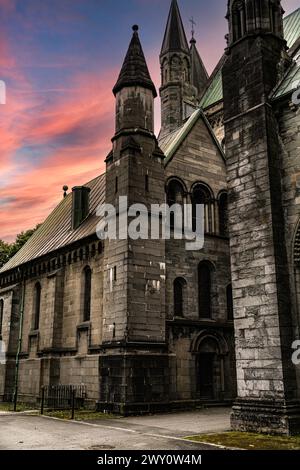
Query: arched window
point(223, 214)
point(229, 300)
point(175, 195)
point(202, 195)
point(238, 19)
point(37, 306)
point(273, 16)
point(179, 289)
point(186, 74)
point(87, 293)
point(175, 68)
point(204, 289)
point(1, 315)
point(166, 76)
point(258, 13)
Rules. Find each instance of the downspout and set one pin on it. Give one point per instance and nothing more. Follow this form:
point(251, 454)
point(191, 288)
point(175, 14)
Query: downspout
point(21, 316)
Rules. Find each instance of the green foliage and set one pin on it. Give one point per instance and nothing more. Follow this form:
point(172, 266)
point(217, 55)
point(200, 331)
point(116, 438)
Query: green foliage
point(4, 252)
point(8, 250)
point(249, 441)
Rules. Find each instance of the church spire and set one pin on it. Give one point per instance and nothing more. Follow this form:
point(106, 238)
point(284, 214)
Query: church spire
point(175, 37)
point(134, 71)
point(199, 76)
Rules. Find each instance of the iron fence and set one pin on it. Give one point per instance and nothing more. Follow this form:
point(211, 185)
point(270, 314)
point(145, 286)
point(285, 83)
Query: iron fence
point(63, 397)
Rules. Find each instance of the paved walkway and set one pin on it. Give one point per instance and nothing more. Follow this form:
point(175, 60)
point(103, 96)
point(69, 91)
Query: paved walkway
point(187, 423)
point(159, 432)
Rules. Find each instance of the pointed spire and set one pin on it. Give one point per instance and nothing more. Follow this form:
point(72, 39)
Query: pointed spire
point(199, 74)
point(175, 38)
point(134, 71)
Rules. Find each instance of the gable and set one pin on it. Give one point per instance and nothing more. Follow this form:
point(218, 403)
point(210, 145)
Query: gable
point(173, 141)
point(198, 157)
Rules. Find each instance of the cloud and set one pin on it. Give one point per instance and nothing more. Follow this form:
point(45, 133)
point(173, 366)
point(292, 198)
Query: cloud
point(67, 139)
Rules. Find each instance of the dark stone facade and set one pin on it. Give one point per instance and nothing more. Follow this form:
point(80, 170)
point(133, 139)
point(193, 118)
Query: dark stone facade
point(154, 340)
point(267, 386)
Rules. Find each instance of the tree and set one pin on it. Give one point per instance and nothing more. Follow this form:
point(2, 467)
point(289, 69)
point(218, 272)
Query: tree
point(4, 252)
point(21, 239)
point(8, 250)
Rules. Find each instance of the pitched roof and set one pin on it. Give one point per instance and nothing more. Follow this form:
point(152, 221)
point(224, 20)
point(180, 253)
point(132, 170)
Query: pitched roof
point(171, 143)
point(291, 27)
point(134, 70)
point(214, 91)
point(174, 38)
point(56, 232)
point(199, 73)
point(290, 82)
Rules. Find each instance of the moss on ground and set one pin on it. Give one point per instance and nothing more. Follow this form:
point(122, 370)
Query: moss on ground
point(81, 415)
point(249, 441)
point(5, 406)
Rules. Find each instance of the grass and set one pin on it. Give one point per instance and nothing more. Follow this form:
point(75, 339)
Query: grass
point(249, 441)
point(5, 406)
point(80, 415)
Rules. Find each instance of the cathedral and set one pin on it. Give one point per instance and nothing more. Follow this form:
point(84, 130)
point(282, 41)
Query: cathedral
point(144, 324)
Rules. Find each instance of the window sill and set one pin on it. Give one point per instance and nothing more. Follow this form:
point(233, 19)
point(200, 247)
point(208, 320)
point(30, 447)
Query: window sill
point(84, 326)
point(34, 333)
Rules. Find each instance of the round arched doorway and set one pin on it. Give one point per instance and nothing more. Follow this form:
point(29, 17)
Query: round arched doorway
point(210, 351)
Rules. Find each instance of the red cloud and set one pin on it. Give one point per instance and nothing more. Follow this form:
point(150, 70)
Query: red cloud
point(74, 130)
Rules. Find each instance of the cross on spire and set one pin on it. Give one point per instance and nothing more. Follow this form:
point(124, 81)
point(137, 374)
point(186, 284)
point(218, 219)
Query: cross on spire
point(193, 23)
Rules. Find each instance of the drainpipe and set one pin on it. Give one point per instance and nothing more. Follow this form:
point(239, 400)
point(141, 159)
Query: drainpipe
point(21, 312)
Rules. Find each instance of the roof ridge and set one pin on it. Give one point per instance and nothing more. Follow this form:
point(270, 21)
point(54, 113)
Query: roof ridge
point(292, 13)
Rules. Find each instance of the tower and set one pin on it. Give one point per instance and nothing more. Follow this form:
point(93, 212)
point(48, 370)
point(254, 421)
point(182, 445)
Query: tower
point(134, 360)
point(199, 75)
point(268, 398)
point(179, 68)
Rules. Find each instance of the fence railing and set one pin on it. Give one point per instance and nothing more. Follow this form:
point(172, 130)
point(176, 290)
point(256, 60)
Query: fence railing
point(63, 397)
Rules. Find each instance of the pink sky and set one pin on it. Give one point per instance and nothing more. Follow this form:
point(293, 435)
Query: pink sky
point(59, 118)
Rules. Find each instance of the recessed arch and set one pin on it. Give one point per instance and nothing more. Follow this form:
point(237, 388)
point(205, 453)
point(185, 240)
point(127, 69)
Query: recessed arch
point(239, 19)
point(221, 342)
point(87, 292)
point(178, 180)
point(229, 302)
point(209, 349)
point(202, 194)
point(223, 213)
point(205, 289)
point(204, 185)
point(175, 195)
point(1, 315)
point(37, 306)
point(179, 295)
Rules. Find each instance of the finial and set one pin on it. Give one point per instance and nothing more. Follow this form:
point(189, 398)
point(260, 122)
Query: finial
point(135, 28)
point(65, 189)
point(193, 29)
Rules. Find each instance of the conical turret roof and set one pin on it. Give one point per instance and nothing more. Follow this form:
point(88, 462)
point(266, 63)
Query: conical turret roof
point(134, 70)
point(175, 37)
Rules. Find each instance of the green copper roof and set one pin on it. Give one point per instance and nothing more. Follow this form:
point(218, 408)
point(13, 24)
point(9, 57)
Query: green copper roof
point(214, 92)
point(291, 24)
point(290, 83)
